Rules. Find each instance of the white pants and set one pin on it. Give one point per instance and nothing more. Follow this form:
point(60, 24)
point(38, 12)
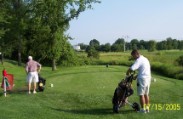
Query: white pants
point(32, 77)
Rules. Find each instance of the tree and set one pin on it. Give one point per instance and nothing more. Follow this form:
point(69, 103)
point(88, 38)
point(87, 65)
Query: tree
point(180, 46)
point(118, 45)
point(162, 45)
point(106, 47)
point(119, 41)
point(16, 14)
point(54, 16)
point(68, 57)
point(134, 43)
point(38, 26)
point(169, 43)
point(128, 46)
point(151, 45)
point(92, 52)
point(2, 20)
point(143, 44)
point(95, 43)
point(2, 27)
point(175, 44)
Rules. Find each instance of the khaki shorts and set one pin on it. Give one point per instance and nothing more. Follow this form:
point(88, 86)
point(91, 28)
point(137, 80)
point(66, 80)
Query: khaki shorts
point(32, 77)
point(143, 86)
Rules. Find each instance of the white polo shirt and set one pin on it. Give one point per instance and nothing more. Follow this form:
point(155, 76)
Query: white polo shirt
point(143, 66)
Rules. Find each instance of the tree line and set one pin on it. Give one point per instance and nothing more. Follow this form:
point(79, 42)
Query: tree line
point(120, 45)
point(38, 28)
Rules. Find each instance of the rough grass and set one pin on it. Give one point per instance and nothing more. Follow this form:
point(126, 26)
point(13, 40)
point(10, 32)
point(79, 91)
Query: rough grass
point(86, 93)
point(161, 61)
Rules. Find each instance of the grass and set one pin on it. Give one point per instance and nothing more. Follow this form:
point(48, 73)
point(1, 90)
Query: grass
point(86, 93)
point(161, 61)
point(165, 56)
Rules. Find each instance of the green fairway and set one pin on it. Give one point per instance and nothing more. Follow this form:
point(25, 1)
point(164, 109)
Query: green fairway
point(86, 93)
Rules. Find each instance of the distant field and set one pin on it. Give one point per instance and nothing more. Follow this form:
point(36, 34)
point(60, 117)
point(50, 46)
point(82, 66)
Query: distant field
point(85, 93)
point(166, 57)
point(162, 62)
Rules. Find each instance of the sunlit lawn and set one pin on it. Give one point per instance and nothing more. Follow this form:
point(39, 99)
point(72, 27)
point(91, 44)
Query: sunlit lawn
point(86, 93)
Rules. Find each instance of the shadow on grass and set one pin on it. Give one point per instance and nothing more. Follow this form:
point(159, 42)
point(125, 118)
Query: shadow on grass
point(98, 111)
point(20, 91)
point(15, 91)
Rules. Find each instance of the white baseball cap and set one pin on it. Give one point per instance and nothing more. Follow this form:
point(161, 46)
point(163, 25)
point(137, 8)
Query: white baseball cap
point(30, 57)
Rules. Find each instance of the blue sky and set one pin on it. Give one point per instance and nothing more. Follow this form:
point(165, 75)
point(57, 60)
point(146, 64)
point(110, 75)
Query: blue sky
point(140, 19)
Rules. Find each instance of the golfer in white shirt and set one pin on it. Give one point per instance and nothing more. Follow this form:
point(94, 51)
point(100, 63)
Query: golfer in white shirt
point(143, 79)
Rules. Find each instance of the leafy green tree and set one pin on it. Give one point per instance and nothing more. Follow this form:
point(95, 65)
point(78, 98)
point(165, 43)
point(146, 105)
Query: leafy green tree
point(95, 43)
point(92, 52)
point(16, 15)
point(180, 45)
point(169, 43)
point(162, 45)
point(2, 27)
point(175, 44)
point(134, 43)
point(68, 57)
point(128, 46)
point(2, 20)
point(143, 44)
point(38, 27)
point(151, 45)
point(106, 47)
point(118, 45)
point(54, 17)
point(119, 41)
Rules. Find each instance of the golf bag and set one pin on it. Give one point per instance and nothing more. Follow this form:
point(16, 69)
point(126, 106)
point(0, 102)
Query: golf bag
point(122, 92)
point(41, 83)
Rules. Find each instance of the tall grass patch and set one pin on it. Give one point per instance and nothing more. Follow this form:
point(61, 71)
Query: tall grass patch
point(163, 62)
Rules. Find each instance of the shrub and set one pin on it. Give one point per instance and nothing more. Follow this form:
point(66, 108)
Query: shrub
point(166, 70)
point(180, 60)
point(92, 52)
point(179, 76)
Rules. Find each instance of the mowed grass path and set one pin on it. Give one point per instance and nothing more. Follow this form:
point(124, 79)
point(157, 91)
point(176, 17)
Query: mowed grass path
point(86, 93)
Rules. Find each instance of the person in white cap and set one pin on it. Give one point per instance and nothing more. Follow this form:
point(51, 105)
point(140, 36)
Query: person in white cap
point(32, 68)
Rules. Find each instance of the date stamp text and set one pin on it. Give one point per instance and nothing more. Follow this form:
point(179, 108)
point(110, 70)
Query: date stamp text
point(164, 107)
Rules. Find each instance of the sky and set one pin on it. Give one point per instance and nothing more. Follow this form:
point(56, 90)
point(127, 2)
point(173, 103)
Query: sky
point(129, 19)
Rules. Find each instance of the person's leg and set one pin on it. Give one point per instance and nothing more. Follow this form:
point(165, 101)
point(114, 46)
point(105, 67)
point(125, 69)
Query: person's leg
point(147, 102)
point(29, 87)
point(29, 81)
point(34, 87)
point(146, 96)
point(142, 104)
point(142, 101)
point(35, 81)
point(140, 91)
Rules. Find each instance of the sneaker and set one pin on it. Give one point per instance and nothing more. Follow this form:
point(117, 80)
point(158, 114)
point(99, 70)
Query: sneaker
point(147, 109)
point(29, 92)
point(142, 111)
point(34, 92)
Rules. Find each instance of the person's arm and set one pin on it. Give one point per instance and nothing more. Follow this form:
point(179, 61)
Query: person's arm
point(39, 67)
point(128, 71)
